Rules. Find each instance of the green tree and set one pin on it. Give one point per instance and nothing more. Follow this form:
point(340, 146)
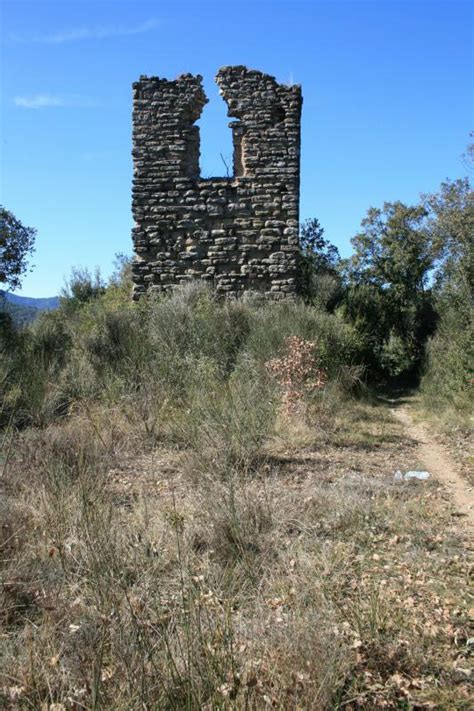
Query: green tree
point(16, 243)
point(449, 372)
point(387, 286)
point(451, 227)
point(319, 259)
point(393, 250)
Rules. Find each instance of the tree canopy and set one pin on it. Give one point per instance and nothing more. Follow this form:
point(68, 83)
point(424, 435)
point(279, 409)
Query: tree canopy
point(16, 244)
point(393, 250)
point(319, 261)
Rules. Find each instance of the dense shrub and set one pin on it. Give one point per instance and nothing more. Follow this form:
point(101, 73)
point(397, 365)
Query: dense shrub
point(448, 382)
point(337, 343)
point(31, 363)
point(162, 357)
point(193, 325)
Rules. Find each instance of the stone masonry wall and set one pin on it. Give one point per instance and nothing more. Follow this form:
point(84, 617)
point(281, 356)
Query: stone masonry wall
point(239, 234)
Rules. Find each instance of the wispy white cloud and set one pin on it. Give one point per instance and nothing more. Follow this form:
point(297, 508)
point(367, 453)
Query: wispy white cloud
point(75, 34)
point(43, 101)
point(39, 101)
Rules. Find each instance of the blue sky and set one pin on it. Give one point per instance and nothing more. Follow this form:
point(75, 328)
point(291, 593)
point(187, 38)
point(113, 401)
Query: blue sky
point(387, 106)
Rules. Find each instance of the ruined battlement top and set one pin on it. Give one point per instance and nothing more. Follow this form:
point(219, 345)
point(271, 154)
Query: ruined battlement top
point(227, 231)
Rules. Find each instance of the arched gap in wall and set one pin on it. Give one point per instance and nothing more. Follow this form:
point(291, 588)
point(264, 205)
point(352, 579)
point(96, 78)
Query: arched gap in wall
point(217, 149)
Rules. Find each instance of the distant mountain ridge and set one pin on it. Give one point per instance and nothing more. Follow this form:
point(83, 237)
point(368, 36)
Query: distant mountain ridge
point(42, 304)
point(25, 309)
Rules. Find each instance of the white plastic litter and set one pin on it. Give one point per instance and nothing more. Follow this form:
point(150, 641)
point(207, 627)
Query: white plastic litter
point(422, 476)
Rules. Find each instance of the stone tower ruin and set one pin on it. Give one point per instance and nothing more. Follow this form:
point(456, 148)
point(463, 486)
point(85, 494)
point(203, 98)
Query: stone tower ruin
point(239, 234)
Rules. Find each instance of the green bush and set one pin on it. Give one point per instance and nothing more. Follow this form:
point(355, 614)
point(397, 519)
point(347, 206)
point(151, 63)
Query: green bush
point(337, 343)
point(192, 325)
point(164, 357)
point(31, 364)
point(225, 423)
point(448, 381)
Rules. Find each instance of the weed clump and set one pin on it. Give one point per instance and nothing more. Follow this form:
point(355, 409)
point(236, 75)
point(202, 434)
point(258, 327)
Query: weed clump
point(297, 373)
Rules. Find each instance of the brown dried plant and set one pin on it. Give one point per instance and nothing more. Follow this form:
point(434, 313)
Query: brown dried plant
point(298, 373)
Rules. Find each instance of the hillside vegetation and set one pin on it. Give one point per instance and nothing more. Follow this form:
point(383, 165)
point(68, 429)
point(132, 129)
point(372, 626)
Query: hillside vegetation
point(199, 506)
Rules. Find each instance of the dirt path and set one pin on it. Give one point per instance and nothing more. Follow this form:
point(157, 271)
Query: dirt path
point(438, 462)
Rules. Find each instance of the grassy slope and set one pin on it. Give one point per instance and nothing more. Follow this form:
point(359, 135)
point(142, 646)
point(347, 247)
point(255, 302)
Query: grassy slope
point(137, 578)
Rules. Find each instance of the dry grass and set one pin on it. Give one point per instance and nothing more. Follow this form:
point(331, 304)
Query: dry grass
point(311, 581)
